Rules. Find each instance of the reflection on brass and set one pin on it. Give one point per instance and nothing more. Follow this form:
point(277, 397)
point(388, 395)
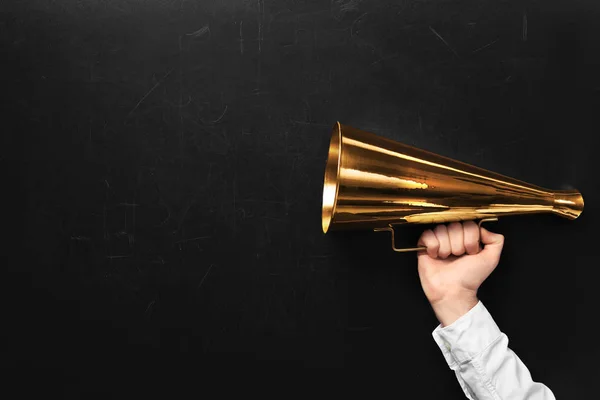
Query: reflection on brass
point(374, 183)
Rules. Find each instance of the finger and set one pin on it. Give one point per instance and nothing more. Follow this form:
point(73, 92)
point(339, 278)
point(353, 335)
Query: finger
point(471, 233)
point(457, 240)
point(441, 232)
point(494, 242)
point(429, 240)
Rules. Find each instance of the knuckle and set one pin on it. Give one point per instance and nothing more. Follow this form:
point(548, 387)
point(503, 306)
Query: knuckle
point(458, 251)
point(454, 226)
point(470, 242)
point(472, 248)
point(444, 253)
point(471, 226)
point(427, 238)
point(471, 251)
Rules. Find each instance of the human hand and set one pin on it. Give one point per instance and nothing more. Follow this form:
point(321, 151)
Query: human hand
point(454, 266)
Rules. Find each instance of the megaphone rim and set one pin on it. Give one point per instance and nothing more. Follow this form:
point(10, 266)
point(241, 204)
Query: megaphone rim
point(331, 182)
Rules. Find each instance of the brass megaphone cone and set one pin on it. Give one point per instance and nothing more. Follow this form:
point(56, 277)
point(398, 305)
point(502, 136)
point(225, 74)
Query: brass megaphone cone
point(374, 183)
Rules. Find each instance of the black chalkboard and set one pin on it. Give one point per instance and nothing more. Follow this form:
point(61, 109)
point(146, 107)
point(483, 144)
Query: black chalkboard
point(163, 162)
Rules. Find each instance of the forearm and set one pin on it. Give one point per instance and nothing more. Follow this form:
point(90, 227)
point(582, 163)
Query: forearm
point(453, 306)
point(478, 352)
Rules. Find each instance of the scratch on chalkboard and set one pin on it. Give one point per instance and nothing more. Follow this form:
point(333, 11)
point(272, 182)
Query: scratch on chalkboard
point(149, 308)
point(222, 115)
point(149, 92)
point(308, 123)
point(159, 260)
point(267, 234)
point(516, 141)
point(261, 17)
point(524, 26)
point(338, 8)
point(234, 206)
point(209, 175)
point(180, 96)
point(205, 275)
point(241, 38)
point(193, 239)
point(385, 58)
point(477, 50)
point(132, 235)
point(117, 257)
point(354, 22)
point(348, 5)
point(205, 30)
point(258, 72)
point(359, 328)
point(104, 218)
point(90, 135)
point(444, 41)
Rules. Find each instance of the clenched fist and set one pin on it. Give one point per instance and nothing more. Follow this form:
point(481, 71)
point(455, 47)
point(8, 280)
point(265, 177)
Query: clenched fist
point(455, 265)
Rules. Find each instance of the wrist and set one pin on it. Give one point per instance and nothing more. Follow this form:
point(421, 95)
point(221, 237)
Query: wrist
point(452, 307)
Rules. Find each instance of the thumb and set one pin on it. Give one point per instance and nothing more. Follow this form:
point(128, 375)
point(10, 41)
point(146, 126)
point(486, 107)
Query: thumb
point(493, 243)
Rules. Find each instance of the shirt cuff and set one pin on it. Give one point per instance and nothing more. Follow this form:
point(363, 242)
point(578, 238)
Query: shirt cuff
point(467, 336)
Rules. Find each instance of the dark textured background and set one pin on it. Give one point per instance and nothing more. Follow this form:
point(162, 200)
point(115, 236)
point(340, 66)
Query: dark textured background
point(162, 163)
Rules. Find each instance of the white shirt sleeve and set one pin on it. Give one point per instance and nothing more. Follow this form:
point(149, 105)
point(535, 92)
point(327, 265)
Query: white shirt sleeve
point(486, 369)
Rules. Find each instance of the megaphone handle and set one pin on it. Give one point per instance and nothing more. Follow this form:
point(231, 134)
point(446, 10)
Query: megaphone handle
point(390, 229)
point(404, 250)
point(494, 219)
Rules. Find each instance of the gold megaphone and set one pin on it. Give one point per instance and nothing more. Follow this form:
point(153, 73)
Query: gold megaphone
point(375, 183)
